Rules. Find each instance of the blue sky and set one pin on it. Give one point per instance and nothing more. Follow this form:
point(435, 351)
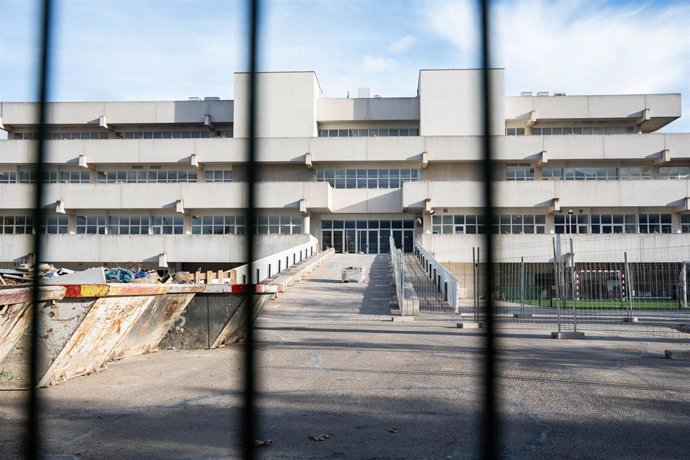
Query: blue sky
point(173, 49)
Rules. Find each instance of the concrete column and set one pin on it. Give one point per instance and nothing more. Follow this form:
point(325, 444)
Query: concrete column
point(306, 224)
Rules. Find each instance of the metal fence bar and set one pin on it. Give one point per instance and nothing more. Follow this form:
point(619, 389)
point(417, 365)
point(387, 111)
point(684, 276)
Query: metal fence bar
point(33, 439)
point(249, 412)
point(490, 427)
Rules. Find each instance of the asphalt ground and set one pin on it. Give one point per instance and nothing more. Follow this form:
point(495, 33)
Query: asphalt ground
point(332, 363)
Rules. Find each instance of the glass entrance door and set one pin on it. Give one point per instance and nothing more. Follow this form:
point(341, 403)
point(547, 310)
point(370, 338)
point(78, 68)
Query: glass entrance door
point(367, 236)
point(338, 240)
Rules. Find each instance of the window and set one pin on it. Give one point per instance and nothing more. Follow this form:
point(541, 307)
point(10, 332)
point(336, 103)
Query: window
point(519, 224)
point(177, 134)
point(91, 225)
point(393, 132)
point(16, 225)
point(218, 176)
point(8, 177)
point(284, 225)
point(146, 176)
point(552, 173)
point(55, 225)
point(579, 130)
point(218, 225)
point(674, 172)
point(571, 223)
point(129, 225)
point(64, 135)
point(474, 224)
point(685, 223)
point(655, 223)
point(519, 173)
point(600, 173)
point(635, 173)
point(167, 225)
point(614, 223)
point(366, 178)
point(26, 176)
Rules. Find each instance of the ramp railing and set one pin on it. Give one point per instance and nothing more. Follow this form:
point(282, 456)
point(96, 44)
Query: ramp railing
point(446, 283)
point(275, 263)
point(404, 290)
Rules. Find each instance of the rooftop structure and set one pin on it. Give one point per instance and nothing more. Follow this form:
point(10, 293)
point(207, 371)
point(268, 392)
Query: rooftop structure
point(163, 183)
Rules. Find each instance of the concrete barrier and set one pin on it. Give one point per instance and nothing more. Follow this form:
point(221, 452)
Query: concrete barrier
point(295, 273)
point(214, 317)
point(274, 264)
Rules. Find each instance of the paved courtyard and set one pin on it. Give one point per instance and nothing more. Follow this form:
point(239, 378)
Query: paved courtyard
point(331, 362)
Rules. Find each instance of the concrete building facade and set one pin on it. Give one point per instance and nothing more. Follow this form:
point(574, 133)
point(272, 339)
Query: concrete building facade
point(164, 182)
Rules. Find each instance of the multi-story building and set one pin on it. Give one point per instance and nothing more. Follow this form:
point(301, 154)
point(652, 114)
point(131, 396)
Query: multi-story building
point(150, 181)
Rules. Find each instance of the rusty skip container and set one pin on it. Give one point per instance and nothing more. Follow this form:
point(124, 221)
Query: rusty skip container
point(215, 317)
point(148, 331)
point(86, 328)
point(15, 317)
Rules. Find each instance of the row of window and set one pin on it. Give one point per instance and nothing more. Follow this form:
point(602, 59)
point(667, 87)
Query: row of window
point(146, 177)
point(181, 134)
point(380, 132)
point(563, 223)
point(526, 173)
point(60, 135)
point(82, 176)
point(154, 225)
point(98, 135)
point(617, 223)
point(366, 178)
point(583, 130)
point(475, 224)
point(366, 224)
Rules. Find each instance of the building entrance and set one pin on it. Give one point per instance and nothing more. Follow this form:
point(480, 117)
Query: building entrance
point(367, 236)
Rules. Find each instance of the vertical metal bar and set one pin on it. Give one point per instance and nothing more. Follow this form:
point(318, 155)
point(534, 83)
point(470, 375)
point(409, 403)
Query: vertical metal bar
point(684, 281)
point(557, 278)
point(474, 285)
point(522, 285)
point(628, 287)
point(249, 416)
point(572, 285)
point(33, 428)
point(490, 428)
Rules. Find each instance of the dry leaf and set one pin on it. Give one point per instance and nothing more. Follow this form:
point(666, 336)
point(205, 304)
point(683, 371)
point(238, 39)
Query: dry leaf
point(320, 437)
point(260, 443)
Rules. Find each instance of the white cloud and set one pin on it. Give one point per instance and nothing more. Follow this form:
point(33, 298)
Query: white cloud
point(372, 64)
point(578, 46)
point(403, 44)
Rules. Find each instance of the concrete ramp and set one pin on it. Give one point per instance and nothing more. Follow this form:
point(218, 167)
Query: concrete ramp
point(322, 296)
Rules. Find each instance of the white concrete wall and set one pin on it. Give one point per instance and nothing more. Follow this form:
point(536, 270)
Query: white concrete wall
point(123, 113)
point(286, 104)
point(368, 109)
point(646, 147)
point(362, 200)
point(667, 194)
point(270, 195)
point(451, 102)
point(100, 249)
point(539, 248)
point(630, 106)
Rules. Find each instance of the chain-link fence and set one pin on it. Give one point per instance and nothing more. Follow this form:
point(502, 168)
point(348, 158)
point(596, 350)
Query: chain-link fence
point(576, 291)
